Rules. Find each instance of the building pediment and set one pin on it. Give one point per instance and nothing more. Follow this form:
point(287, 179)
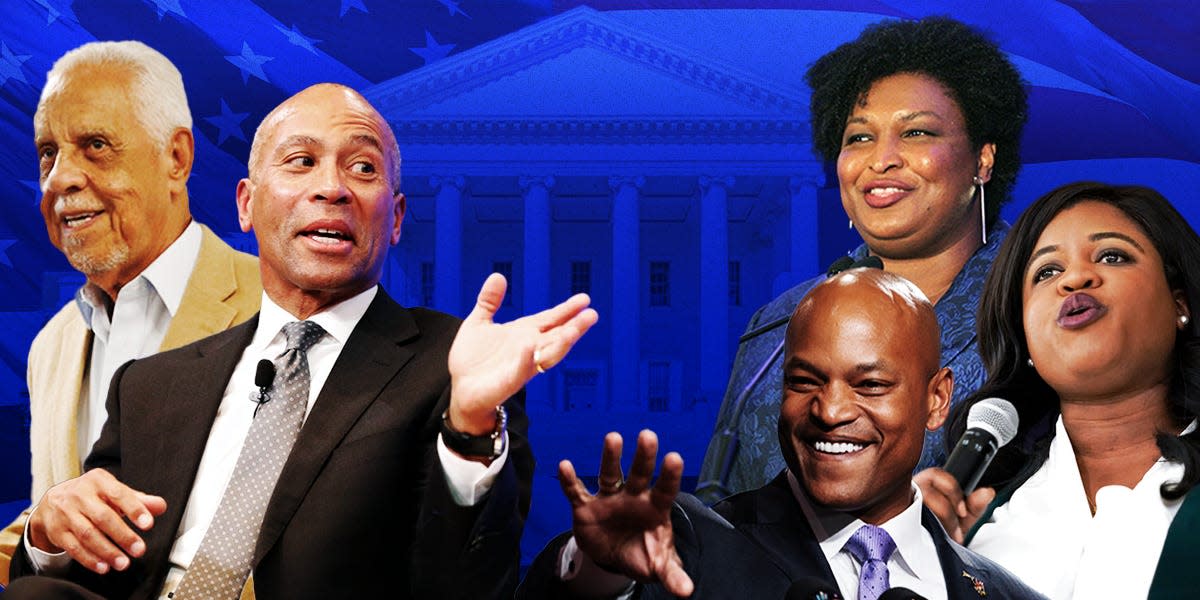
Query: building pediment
point(583, 74)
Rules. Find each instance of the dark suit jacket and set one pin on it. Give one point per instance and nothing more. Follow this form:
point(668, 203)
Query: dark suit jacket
point(361, 508)
point(755, 544)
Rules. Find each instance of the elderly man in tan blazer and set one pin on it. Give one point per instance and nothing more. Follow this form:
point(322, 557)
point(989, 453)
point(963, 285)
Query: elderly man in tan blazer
point(115, 147)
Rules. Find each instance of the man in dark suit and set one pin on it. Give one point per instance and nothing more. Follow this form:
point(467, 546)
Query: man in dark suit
point(861, 384)
point(402, 480)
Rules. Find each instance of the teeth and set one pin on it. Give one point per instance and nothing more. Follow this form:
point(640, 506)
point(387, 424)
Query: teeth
point(77, 219)
point(326, 234)
point(884, 191)
point(837, 447)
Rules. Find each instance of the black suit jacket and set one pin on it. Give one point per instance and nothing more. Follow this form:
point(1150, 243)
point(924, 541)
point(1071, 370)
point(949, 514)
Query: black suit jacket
point(361, 508)
point(755, 544)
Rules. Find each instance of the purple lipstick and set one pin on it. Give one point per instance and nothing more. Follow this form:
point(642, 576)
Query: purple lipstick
point(1080, 310)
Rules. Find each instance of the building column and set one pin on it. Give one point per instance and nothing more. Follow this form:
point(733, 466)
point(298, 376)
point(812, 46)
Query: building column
point(625, 362)
point(447, 257)
point(714, 287)
point(803, 230)
point(535, 278)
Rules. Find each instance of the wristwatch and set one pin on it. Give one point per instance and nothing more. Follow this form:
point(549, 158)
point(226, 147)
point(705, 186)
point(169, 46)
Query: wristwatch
point(476, 446)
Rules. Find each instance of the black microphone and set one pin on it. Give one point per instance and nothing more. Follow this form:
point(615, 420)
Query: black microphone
point(899, 593)
point(991, 423)
point(812, 588)
point(846, 263)
point(839, 265)
point(264, 377)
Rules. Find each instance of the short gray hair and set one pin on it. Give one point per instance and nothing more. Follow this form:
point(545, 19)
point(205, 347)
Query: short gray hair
point(161, 104)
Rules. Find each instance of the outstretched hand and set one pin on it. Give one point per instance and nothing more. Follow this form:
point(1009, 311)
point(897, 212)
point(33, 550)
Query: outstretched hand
point(626, 527)
point(489, 361)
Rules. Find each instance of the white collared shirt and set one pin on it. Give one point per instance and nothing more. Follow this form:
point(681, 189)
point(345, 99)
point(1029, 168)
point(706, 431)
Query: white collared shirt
point(134, 328)
point(914, 564)
point(1046, 534)
point(468, 480)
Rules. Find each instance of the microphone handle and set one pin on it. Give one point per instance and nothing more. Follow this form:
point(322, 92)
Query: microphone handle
point(971, 457)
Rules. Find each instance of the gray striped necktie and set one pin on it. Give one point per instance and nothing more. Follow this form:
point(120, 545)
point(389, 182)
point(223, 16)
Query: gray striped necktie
point(222, 562)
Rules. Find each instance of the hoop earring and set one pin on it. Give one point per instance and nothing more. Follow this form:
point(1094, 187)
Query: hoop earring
point(982, 208)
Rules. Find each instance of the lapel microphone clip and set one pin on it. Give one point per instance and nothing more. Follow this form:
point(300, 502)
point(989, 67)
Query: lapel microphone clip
point(264, 378)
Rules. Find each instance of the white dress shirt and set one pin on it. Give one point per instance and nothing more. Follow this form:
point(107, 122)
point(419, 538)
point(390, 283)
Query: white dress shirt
point(1046, 534)
point(914, 564)
point(468, 480)
point(132, 327)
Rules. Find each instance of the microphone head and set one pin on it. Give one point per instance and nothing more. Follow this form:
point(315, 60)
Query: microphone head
point(812, 588)
point(899, 593)
point(839, 265)
point(995, 416)
point(264, 376)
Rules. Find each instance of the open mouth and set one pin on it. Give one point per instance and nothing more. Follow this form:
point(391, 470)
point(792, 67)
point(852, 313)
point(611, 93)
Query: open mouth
point(1079, 310)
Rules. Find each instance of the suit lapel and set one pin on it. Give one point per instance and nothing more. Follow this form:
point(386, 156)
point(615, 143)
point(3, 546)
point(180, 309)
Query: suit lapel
point(781, 529)
point(204, 309)
point(183, 417)
point(370, 359)
point(963, 581)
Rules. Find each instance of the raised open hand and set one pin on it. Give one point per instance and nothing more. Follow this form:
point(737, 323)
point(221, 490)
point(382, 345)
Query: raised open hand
point(626, 526)
point(490, 361)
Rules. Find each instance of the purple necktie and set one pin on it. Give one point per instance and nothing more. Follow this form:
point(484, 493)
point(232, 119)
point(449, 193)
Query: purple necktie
point(871, 546)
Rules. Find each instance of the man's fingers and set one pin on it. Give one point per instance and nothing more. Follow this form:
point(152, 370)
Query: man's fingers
point(130, 503)
point(554, 344)
point(491, 295)
point(674, 578)
point(669, 476)
point(557, 315)
point(88, 559)
point(157, 505)
point(576, 493)
point(644, 458)
point(611, 478)
point(91, 540)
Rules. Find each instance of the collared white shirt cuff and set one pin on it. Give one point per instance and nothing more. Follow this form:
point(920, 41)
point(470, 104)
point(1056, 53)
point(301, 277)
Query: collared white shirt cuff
point(584, 576)
point(44, 563)
point(469, 480)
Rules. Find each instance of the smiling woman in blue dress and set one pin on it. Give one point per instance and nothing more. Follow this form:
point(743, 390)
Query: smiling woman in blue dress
point(1087, 326)
point(924, 120)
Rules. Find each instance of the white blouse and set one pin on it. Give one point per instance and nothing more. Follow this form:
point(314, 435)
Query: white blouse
point(1047, 536)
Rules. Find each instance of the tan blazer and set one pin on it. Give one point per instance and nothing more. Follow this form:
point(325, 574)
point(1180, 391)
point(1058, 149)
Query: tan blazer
point(223, 290)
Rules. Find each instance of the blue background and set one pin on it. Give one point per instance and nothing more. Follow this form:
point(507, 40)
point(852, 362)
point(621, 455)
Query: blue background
point(585, 147)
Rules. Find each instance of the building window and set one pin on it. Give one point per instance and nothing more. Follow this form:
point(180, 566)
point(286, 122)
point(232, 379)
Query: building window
point(505, 268)
point(659, 392)
point(735, 283)
point(427, 284)
point(581, 389)
point(660, 283)
point(581, 277)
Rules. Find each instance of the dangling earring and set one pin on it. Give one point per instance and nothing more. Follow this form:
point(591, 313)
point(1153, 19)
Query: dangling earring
point(1029, 361)
point(982, 208)
point(851, 223)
